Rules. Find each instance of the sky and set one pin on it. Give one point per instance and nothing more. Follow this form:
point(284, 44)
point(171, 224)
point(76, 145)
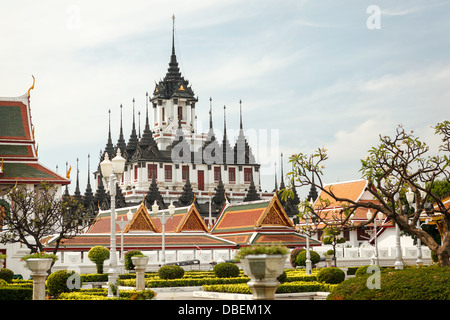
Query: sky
point(310, 74)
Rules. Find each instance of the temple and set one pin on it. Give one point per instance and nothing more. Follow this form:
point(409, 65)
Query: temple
point(172, 162)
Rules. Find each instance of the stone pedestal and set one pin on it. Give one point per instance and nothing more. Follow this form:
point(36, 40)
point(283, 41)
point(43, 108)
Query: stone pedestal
point(263, 271)
point(39, 268)
point(140, 263)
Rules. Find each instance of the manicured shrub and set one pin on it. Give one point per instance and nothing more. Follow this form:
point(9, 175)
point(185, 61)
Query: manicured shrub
point(128, 262)
point(16, 293)
point(351, 271)
point(301, 258)
point(331, 275)
point(293, 256)
point(171, 272)
point(226, 270)
point(57, 282)
point(3, 283)
point(361, 271)
point(94, 277)
point(282, 277)
point(137, 294)
point(6, 275)
point(426, 283)
point(98, 255)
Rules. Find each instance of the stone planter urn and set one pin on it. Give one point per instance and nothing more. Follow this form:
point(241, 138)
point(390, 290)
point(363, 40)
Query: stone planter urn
point(263, 270)
point(140, 263)
point(39, 268)
point(328, 260)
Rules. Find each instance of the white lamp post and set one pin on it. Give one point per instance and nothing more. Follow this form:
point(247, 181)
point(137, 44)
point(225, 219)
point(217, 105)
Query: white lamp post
point(112, 171)
point(163, 217)
point(122, 225)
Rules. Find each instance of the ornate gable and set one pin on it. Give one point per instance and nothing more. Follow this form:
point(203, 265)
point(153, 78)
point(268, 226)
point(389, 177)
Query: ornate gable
point(274, 215)
point(192, 221)
point(141, 221)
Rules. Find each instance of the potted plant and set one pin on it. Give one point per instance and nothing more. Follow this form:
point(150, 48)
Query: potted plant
point(39, 263)
point(263, 264)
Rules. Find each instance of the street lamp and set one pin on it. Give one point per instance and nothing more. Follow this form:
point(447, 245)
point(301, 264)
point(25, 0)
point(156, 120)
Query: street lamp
point(122, 225)
point(374, 259)
point(163, 217)
point(112, 171)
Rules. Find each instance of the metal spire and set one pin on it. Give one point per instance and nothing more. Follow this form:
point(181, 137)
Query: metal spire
point(210, 113)
point(224, 120)
point(173, 35)
point(240, 111)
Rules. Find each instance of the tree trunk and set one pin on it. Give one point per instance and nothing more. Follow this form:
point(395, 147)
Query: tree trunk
point(443, 252)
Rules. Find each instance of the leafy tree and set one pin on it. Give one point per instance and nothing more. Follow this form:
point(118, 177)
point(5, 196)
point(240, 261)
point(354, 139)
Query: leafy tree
point(397, 165)
point(98, 255)
point(332, 235)
point(38, 213)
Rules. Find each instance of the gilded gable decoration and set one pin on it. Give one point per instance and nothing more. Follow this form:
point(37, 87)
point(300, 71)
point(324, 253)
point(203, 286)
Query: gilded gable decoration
point(141, 221)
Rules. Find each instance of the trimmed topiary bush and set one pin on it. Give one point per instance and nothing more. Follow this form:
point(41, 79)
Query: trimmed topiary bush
point(171, 272)
point(226, 270)
point(301, 258)
point(293, 256)
point(57, 282)
point(98, 255)
point(331, 275)
point(6, 275)
point(128, 262)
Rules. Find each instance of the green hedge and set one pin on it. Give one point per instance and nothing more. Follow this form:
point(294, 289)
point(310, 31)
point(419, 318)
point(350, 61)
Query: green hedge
point(16, 293)
point(94, 277)
point(198, 278)
point(287, 287)
point(183, 282)
point(426, 283)
point(102, 294)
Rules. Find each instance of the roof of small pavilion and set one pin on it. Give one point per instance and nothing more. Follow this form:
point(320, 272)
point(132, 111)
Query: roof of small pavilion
point(18, 151)
point(184, 219)
point(258, 222)
point(251, 216)
point(148, 241)
point(185, 229)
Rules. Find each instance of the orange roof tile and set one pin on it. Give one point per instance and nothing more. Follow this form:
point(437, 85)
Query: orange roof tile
point(352, 190)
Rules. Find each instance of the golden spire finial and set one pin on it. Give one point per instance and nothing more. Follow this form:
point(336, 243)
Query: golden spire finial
point(32, 87)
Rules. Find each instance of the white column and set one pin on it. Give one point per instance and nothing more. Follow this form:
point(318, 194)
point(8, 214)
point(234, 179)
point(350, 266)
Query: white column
point(189, 115)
